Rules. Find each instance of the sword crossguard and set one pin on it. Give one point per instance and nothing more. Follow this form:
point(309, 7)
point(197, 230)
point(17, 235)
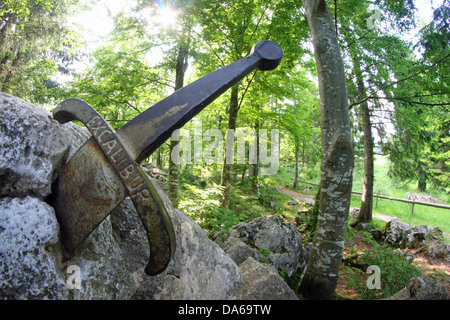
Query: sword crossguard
point(150, 207)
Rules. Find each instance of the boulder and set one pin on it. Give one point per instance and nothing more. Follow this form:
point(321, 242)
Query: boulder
point(419, 288)
point(417, 236)
point(200, 269)
point(281, 240)
point(438, 250)
point(262, 282)
point(110, 262)
point(30, 255)
point(33, 148)
point(154, 172)
point(399, 234)
point(239, 251)
point(436, 233)
point(103, 271)
point(396, 232)
point(354, 212)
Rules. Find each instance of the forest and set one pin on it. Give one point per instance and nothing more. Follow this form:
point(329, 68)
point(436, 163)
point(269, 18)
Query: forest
point(360, 102)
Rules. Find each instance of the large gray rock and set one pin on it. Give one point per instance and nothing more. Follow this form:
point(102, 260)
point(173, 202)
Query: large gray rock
point(282, 241)
point(262, 282)
point(419, 288)
point(207, 270)
point(439, 250)
point(417, 236)
point(110, 263)
point(240, 251)
point(395, 232)
point(33, 148)
point(200, 269)
point(102, 266)
point(399, 234)
point(30, 256)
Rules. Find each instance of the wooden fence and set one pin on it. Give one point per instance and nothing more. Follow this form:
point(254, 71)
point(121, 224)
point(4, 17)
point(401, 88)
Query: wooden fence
point(377, 196)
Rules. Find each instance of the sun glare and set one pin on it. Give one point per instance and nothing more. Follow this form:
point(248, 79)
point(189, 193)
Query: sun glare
point(167, 16)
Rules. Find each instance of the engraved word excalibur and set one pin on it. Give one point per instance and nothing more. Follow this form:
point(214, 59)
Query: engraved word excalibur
point(154, 217)
point(105, 169)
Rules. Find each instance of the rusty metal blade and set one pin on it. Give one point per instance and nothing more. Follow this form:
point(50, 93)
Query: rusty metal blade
point(85, 192)
point(149, 206)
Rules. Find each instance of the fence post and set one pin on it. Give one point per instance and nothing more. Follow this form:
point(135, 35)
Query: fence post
point(412, 213)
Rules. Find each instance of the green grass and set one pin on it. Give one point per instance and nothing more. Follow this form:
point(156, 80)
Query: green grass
point(383, 185)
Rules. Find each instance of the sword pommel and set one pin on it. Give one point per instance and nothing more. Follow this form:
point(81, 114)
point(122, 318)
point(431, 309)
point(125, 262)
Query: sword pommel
point(269, 54)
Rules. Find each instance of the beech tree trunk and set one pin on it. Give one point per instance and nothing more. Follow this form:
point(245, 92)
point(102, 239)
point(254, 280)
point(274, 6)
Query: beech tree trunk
point(227, 168)
point(254, 168)
point(297, 164)
point(179, 82)
point(322, 274)
point(365, 214)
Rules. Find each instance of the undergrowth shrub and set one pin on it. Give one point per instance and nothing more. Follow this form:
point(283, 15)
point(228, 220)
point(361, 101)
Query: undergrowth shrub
point(204, 207)
point(395, 272)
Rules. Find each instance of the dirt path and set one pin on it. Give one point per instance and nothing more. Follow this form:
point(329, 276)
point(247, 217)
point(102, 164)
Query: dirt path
point(382, 217)
point(300, 196)
point(309, 198)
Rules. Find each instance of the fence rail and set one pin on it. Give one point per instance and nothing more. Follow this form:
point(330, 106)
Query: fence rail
point(413, 202)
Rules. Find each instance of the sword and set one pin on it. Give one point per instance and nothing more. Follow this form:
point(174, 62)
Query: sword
point(105, 170)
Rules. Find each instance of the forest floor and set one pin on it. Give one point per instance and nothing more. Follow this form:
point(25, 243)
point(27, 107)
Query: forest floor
point(437, 269)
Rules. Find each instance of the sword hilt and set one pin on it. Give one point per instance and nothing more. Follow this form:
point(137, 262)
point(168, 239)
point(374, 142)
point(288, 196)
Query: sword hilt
point(148, 204)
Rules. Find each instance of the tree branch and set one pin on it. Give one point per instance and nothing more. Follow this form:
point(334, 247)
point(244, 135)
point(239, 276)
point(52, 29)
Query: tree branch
point(245, 91)
point(406, 99)
point(371, 96)
point(260, 18)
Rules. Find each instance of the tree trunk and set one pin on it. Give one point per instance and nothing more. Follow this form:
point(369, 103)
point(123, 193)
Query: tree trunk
point(255, 167)
point(158, 159)
point(244, 171)
point(297, 160)
point(173, 177)
point(179, 82)
point(322, 274)
point(422, 177)
point(8, 53)
point(10, 73)
point(365, 214)
point(229, 159)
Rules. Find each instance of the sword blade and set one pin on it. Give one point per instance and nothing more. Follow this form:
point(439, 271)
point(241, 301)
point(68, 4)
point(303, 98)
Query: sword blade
point(146, 132)
point(85, 192)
